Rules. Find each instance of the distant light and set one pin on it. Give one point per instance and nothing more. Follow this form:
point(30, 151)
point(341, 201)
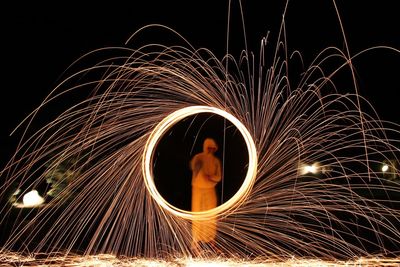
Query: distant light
point(311, 169)
point(17, 192)
point(32, 199)
point(314, 168)
point(385, 168)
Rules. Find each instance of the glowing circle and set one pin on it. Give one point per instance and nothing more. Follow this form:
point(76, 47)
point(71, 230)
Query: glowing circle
point(159, 132)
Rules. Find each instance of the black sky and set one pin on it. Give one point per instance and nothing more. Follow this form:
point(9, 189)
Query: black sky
point(40, 40)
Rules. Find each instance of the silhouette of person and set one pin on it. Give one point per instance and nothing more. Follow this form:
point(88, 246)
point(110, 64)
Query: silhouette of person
point(206, 173)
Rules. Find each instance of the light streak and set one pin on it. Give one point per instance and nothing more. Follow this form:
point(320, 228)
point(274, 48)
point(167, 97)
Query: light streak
point(111, 205)
point(111, 260)
point(160, 131)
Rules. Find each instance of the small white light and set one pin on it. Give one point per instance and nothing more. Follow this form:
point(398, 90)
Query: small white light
point(314, 168)
point(17, 192)
point(385, 168)
point(32, 199)
point(311, 169)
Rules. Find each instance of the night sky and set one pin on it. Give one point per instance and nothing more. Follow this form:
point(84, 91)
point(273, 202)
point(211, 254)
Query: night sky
point(40, 40)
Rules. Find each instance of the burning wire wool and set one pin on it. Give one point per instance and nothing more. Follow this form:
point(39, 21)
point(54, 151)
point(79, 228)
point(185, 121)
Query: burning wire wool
point(104, 198)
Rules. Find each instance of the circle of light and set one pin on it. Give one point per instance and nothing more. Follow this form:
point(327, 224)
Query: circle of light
point(158, 133)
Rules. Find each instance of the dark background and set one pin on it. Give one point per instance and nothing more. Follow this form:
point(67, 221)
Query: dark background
point(39, 41)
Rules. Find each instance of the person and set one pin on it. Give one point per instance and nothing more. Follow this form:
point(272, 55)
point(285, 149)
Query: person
point(206, 174)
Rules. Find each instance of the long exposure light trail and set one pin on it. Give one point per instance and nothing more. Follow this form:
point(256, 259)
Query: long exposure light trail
point(110, 260)
point(313, 193)
point(160, 131)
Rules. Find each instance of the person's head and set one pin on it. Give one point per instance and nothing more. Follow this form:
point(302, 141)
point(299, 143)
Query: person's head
point(209, 145)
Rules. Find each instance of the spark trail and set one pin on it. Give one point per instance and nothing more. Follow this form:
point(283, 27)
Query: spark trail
point(347, 211)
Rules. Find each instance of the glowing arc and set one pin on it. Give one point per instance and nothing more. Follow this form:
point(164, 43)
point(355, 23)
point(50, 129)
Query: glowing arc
point(158, 133)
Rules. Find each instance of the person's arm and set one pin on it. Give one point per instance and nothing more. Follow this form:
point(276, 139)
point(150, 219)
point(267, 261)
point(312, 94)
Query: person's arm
point(195, 165)
point(217, 175)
